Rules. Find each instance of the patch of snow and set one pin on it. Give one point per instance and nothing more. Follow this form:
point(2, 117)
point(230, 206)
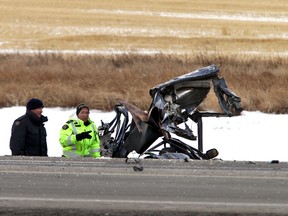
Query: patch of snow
point(253, 136)
point(248, 17)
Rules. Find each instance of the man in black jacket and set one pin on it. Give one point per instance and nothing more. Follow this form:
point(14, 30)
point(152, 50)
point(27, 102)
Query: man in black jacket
point(28, 135)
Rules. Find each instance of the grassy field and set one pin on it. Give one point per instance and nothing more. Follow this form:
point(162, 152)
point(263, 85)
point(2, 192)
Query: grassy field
point(246, 39)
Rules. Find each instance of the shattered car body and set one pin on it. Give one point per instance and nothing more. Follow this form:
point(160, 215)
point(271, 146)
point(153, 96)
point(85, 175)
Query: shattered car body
point(173, 103)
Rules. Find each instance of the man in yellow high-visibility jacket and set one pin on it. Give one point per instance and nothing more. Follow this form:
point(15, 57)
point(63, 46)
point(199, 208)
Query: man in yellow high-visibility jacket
point(79, 136)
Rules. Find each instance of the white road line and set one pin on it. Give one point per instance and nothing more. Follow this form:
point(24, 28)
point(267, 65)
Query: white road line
point(144, 202)
point(177, 175)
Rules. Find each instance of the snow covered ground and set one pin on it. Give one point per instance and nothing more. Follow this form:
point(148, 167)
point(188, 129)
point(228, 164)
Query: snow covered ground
point(253, 136)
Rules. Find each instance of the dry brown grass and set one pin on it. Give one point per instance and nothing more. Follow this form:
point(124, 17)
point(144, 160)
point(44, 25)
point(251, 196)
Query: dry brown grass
point(252, 55)
point(65, 81)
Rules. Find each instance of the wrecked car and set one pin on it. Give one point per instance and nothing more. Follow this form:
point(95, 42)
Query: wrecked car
point(173, 104)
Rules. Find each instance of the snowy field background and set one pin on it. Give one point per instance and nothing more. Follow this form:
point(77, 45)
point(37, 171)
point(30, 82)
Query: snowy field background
point(253, 136)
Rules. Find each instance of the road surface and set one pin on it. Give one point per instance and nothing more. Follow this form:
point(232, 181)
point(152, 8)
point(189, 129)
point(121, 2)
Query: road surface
point(61, 186)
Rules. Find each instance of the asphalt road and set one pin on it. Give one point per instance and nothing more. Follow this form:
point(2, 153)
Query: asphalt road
point(60, 186)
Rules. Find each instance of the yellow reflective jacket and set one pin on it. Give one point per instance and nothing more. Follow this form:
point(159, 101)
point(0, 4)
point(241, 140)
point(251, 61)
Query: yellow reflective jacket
point(83, 148)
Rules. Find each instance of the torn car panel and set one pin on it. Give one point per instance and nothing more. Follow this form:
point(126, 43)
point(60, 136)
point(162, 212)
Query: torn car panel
point(173, 103)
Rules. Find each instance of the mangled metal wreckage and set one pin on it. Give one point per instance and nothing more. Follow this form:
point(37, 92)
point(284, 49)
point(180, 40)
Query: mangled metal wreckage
point(173, 103)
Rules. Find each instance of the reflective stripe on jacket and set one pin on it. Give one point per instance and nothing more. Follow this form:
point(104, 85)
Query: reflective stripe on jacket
point(83, 148)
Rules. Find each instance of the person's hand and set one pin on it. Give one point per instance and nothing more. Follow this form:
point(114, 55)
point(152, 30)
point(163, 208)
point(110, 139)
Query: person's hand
point(83, 135)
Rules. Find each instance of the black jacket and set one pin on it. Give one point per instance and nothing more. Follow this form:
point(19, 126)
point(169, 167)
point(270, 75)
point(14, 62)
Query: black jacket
point(28, 135)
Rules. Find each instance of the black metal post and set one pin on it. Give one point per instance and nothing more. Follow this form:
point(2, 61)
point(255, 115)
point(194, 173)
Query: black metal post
point(200, 133)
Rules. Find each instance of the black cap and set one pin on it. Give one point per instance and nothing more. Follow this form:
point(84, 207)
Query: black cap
point(80, 106)
point(34, 103)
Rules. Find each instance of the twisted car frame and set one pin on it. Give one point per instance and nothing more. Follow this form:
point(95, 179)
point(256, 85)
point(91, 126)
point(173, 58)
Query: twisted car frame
point(173, 103)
